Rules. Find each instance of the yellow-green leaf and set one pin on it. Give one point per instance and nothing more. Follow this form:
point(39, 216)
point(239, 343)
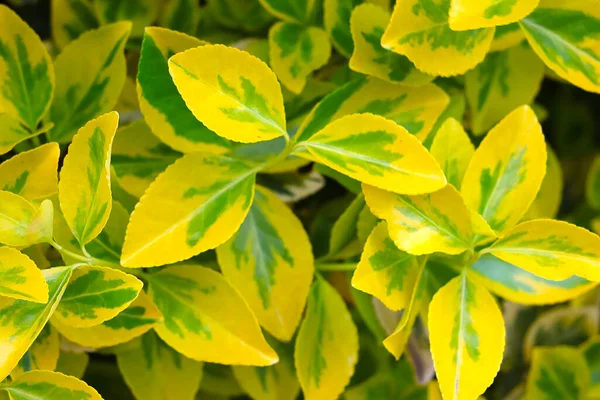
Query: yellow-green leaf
point(197, 204)
point(248, 16)
point(32, 174)
point(72, 363)
point(23, 224)
point(14, 132)
point(84, 189)
point(376, 151)
point(94, 86)
point(296, 51)
point(139, 12)
point(368, 24)
point(206, 319)
point(554, 250)
point(95, 295)
point(343, 241)
point(299, 11)
point(424, 224)
point(231, 92)
point(507, 36)
point(592, 184)
point(180, 16)
point(22, 321)
point(26, 71)
point(154, 371)
point(473, 14)
point(269, 260)
point(547, 202)
point(326, 346)
point(161, 104)
point(502, 82)
point(20, 278)
point(453, 150)
point(71, 18)
point(420, 30)
point(336, 18)
point(590, 350)
point(50, 386)
point(562, 33)
point(467, 338)
point(43, 353)
point(507, 170)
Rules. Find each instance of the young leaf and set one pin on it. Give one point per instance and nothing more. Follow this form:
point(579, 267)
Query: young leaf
point(84, 188)
point(336, 18)
point(269, 260)
point(94, 87)
point(206, 319)
point(21, 223)
point(467, 338)
point(502, 82)
point(71, 18)
point(22, 321)
point(231, 92)
point(161, 104)
point(376, 151)
point(453, 150)
point(32, 174)
point(95, 295)
point(424, 224)
point(20, 278)
point(43, 353)
point(296, 51)
point(507, 170)
point(49, 385)
point(547, 202)
point(154, 371)
point(554, 250)
point(140, 13)
point(198, 203)
point(299, 11)
point(473, 14)
point(420, 30)
point(563, 34)
point(327, 344)
point(368, 24)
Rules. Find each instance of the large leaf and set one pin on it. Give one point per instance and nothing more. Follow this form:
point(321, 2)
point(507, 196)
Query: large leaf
point(23, 224)
point(473, 14)
point(49, 385)
point(336, 18)
point(206, 319)
point(20, 278)
point(233, 93)
point(467, 338)
point(22, 321)
point(269, 260)
point(43, 353)
point(198, 203)
point(565, 34)
point(327, 344)
point(376, 151)
point(420, 30)
point(160, 102)
point(507, 170)
point(94, 86)
point(26, 71)
point(139, 12)
point(71, 18)
point(453, 150)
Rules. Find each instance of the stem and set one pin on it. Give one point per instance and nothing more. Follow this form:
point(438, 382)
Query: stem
point(289, 147)
point(85, 259)
point(36, 141)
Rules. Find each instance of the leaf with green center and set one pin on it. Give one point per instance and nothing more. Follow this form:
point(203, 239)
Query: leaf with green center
point(453, 150)
point(140, 12)
point(71, 18)
point(181, 16)
point(298, 11)
point(336, 17)
point(14, 132)
point(547, 202)
point(474, 14)
point(49, 385)
point(20, 278)
point(43, 353)
point(21, 223)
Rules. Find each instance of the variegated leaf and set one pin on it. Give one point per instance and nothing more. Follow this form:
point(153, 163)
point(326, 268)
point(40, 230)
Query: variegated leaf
point(43, 353)
point(139, 12)
point(299, 11)
point(71, 18)
point(507, 36)
point(23, 224)
point(336, 17)
point(547, 202)
point(453, 150)
point(473, 14)
point(180, 15)
point(14, 132)
point(20, 278)
point(49, 385)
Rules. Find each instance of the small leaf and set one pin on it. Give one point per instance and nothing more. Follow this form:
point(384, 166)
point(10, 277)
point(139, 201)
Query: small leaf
point(473, 14)
point(140, 13)
point(453, 150)
point(23, 224)
point(84, 188)
point(43, 353)
point(231, 92)
point(71, 18)
point(20, 278)
point(327, 344)
point(336, 17)
point(49, 385)
point(299, 11)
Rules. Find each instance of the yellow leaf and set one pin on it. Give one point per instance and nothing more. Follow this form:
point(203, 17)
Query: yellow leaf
point(20, 278)
point(21, 223)
point(231, 92)
point(43, 353)
point(507, 36)
point(49, 385)
point(71, 18)
point(453, 150)
point(473, 14)
point(547, 202)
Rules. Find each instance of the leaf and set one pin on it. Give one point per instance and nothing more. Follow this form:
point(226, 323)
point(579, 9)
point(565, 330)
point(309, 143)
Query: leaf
point(420, 30)
point(416, 109)
point(94, 295)
point(455, 109)
point(326, 349)
point(27, 73)
point(71, 363)
point(13, 133)
point(84, 188)
point(43, 353)
point(139, 12)
point(368, 24)
point(336, 17)
point(180, 15)
point(218, 381)
point(154, 371)
point(296, 51)
point(21, 223)
point(71, 18)
point(247, 16)
point(453, 151)
point(204, 315)
point(424, 224)
point(518, 285)
point(231, 92)
point(554, 250)
point(507, 36)
point(547, 202)
point(559, 372)
point(198, 203)
point(376, 151)
point(299, 11)
point(20, 278)
point(32, 174)
point(22, 321)
point(467, 341)
point(564, 35)
point(507, 170)
point(343, 242)
point(292, 187)
point(161, 104)
point(502, 82)
point(590, 350)
point(269, 260)
point(93, 88)
point(49, 385)
point(473, 14)
point(592, 184)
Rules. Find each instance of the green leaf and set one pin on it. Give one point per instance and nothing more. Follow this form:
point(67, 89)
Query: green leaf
point(139, 12)
point(336, 17)
point(343, 242)
point(300, 11)
point(49, 385)
point(71, 18)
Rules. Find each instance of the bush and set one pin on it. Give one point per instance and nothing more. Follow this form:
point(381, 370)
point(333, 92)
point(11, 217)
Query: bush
point(280, 198)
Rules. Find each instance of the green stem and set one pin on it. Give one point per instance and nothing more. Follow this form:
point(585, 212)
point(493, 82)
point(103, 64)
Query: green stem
point(36, 141)
point(85, 259)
